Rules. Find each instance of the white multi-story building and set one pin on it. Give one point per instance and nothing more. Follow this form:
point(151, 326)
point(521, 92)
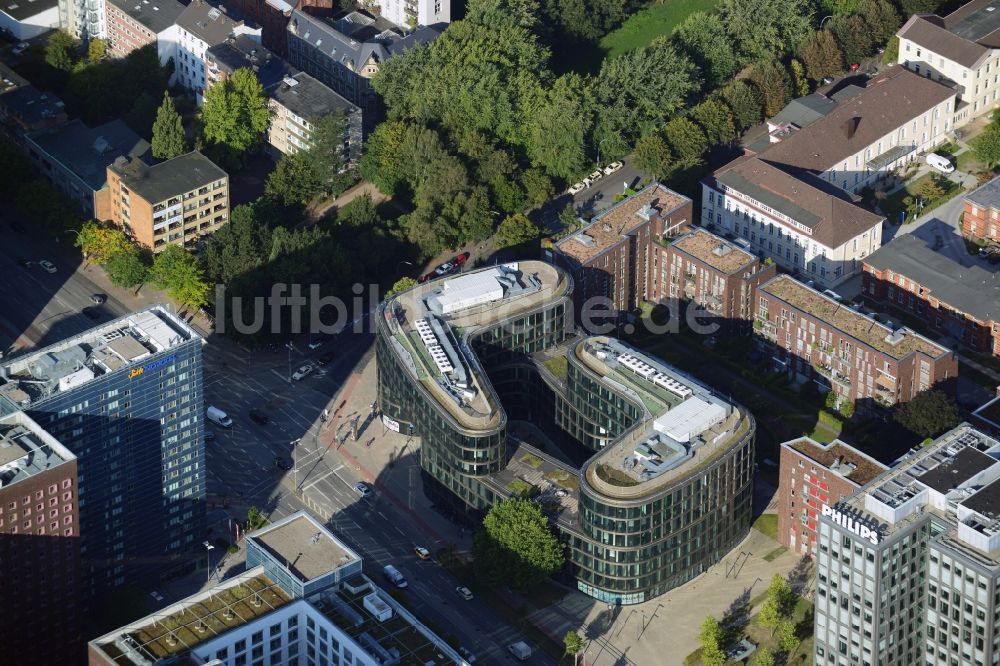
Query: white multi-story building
point(412, 13)
point(960, 50)
point(803, 228)
point(298, 102)
point(84, 19)
point(200, 26)
point(908, 567)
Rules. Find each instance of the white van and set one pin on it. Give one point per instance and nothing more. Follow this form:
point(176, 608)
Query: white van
point(940, 162)
point(219, 417)
point(394, 577)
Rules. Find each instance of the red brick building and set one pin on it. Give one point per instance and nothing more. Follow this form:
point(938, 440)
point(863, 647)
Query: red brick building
point(272, 16)
point(811, 475)
point(814, 337)
point(962, 302)
point(39, 546)
point(132, 24)
point(717, 274)
point(982, 212)
point(613, 256)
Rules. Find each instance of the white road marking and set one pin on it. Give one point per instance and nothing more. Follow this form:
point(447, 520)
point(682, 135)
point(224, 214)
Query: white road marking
point(314, 482)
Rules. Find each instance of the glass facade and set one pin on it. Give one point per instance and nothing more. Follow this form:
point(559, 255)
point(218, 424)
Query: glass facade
point(139, 440)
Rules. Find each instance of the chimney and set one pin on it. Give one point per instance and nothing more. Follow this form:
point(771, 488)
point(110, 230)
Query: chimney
point(851, 127)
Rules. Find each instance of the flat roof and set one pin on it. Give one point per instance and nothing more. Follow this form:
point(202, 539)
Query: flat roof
point(20, 10)
point(715, 251)
point(210, 22)
point(956, 470)
point(840, 458)
point(26, 449)
point(156, 15)
point(74, 361)
point(986, 501)
point(32, 106)
point(990, 411)
point(307, 548)
point(88, 152)
point(309, 98)
point(611, 226)
point(898, 344)
point(174, 177)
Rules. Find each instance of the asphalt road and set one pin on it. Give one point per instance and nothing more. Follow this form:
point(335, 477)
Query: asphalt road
point(599, 196)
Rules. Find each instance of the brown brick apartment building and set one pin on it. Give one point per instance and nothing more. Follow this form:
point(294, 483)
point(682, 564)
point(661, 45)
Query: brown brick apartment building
point(812, 475)
point(272, 16)
point(133, 24)
point(814, 337)
point(960, 301)
point(39, 546)
point(715, 273)
point(982, 212)
point(613, 256)
point(177, 201)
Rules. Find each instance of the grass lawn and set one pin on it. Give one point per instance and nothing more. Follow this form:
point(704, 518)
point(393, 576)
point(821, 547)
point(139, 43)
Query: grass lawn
point(761, 636)
point(767, 523)
point(644, 26)
point(893, 204)
point(775, 554)
point(558, 366)
point(968, 163)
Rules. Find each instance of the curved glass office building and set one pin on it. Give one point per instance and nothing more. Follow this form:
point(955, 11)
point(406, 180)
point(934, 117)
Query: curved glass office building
point(486, 369)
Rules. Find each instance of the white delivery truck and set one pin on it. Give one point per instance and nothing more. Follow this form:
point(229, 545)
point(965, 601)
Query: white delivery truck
point(520, 649)
point(218, 417)
point(393, 576)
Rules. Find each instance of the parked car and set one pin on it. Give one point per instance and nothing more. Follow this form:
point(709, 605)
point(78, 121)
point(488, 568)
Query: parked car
point(940, 162)
point(47, 265)
point(259, 417)
point(855, 66)
point(576, 188)
point(827, 80)
point(91, 312)
point(303, 371)
point(611, 168)
point(444, 269)
point(218, 417)
point(464, 592)
point(363, 489)
point(461, 259)
point(597, 175)
point(20, 48)
point(421, 552)
point(98, 299)
point(282, 462)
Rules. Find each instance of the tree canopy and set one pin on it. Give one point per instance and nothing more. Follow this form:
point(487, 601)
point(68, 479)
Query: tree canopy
point(234, 113)
point(168, 131)
point(928, 414)
point(766, 28)
point(703, 38)
point(177, 270)
point(99, 242)
point(516, 229)
point(516, 546)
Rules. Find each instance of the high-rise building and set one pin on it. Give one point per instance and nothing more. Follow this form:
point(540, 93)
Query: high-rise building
point(908, 567)
point(126, 399)
point(39, 545)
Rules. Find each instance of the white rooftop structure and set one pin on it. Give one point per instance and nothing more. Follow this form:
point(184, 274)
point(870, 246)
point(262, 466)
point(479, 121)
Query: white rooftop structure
point(466, 291)
point(689, 419)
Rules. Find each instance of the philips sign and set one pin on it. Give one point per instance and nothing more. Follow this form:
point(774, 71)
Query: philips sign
point(849, 523)
point(135, 372)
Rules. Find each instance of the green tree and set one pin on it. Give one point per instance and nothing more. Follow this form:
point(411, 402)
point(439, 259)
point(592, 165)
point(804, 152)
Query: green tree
point(127, 268)
point(986, 146)
point(516, 229)
point(746, 103)
point(910, 7)
point(587, 20)
point(928, 414)
point(559, 126)
point(766, 28)
point(686, 140)
point(820, 55)
point(839, 7)
point(325, 156)
point(516, 546)
point(293, 181)
point(234, 113)
point(61, 50)
point(96, 50)
point(380, 161)
point(573, 644)
point(652, 155)
point(930, 189)
point(786, 637)
point(710, 638)
point(538, 187)
point(716, 120)
point(401, 285)
point(176, 270)
point(853, 38)
point(142, 115)
point(703, 38)
point(763, 657)
point(99, 242)
point(891, 51)
point(777, 605)
point(800, 84)
point(773, 82)
point(242, 246)
point(568, 217)
point(847, 409)
point(880, 18)
point(168, 131)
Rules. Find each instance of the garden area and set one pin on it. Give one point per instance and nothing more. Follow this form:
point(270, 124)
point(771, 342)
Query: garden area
point(643, 27)
point(919, 197)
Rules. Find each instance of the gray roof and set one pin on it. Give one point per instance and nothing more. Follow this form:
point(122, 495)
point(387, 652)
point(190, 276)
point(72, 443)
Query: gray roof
point(210, 23)
point(161, 181)
point(157, 15)
point(987, 195)
point(31, 105)
point(242, 51)
point(88, 152)
point(20, 10)
point(805, 110)
point(358, 37)
point(309, 98)
point(969, 289)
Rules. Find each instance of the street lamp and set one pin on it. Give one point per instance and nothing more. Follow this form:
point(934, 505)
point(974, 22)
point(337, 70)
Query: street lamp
point(208, 560)
point(295, 465)
point(825, 19)
point(288, 346)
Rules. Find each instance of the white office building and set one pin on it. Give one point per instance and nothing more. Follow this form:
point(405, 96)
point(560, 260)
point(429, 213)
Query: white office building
point(411, 13)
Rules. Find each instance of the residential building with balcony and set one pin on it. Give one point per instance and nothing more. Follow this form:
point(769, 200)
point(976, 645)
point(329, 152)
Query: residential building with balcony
point(960, 51)
point(241, 51)
point(133, 24)
point(28, 19)
point(981, 219)
point(614, 258)
point(811, 476)
point(75, 159)
point(814, 337)
point(296, 104)
point(907, 567)
point(302, 600)
point(39, 543)
point(126, 398)
point(962, 302)
point(177, 202)
point(345, 53)
point(801, 224)
point(84, 19)
point(411, 13)
point(199, 27)
point(714, 273)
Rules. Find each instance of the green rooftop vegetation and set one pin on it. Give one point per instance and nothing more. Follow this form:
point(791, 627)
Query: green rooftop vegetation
point(561, 477)
point(532, 460)
point(558, 366)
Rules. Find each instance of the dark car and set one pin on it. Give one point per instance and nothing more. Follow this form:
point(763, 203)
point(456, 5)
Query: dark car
point(24, 263)
point(461, 259)
point(326, 358)
point(425, 278)
point(282, 463)
point(91, 313)
point(259, 417)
